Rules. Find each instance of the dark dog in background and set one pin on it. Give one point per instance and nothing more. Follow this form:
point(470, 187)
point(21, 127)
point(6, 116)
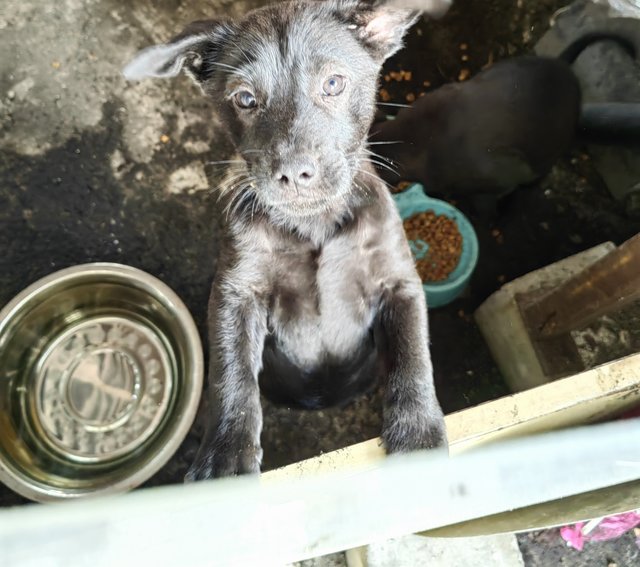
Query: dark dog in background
point(316, 294)
point(501, 129)
point(504, 128)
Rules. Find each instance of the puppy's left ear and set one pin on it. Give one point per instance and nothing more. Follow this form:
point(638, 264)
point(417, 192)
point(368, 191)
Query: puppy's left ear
point(381, 25)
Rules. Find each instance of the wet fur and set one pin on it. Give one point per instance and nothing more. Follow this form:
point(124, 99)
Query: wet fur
point(316, 295)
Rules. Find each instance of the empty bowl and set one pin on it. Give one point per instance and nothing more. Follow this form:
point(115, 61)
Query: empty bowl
point(101, 372)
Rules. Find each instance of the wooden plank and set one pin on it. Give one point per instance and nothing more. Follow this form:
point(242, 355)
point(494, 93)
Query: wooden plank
point(608, 285)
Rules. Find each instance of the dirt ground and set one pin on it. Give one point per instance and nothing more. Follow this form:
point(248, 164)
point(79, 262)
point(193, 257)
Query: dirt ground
point(94, 169)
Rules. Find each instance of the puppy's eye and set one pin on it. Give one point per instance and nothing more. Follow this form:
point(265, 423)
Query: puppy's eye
point(334, 85)
point(245, 99)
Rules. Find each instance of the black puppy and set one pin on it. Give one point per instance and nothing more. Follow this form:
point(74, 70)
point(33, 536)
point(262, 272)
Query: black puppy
point(316, 293)
point(504, 128)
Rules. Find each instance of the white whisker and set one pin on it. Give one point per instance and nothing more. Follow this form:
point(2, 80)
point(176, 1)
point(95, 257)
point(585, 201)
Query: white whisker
point(377, 178)
point(244, 191)
point(383, 165)
point(374, 154)
point(395, 104)
point(385, 143)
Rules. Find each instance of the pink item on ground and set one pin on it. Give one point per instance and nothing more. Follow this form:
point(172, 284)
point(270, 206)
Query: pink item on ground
point(599, 530)
point(603, 529)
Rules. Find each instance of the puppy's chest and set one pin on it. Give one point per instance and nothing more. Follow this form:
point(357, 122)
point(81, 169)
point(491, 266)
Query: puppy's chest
point(318, 288)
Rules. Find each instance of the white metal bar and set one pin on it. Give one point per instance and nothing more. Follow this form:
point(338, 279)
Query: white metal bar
point(245, 522)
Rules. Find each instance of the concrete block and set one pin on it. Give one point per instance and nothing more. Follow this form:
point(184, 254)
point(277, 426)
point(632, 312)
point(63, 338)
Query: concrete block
point(416, 551)
point(502, 326)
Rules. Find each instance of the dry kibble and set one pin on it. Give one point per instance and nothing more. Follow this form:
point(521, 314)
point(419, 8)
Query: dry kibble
point(164, 139)
point(411, 97)
point(401, 75)
point(464, 74)
point(400, 187)
point(384, 95)
point(445, 244)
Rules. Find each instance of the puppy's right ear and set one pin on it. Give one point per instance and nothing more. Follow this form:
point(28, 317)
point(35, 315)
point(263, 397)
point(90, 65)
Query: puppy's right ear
point(192, 51)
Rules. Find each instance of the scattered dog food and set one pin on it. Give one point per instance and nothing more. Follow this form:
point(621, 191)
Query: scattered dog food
point(401, 75)
point(444, 240)
point(464, 75)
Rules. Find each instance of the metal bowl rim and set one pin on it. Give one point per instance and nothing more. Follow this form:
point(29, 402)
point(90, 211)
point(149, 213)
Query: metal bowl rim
point(182, 422)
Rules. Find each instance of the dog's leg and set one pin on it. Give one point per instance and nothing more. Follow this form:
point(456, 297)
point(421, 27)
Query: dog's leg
point(231, 445)
point(412, 418)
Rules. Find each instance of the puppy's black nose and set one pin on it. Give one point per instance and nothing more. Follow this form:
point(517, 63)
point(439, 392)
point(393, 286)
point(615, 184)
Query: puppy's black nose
point(299, 171)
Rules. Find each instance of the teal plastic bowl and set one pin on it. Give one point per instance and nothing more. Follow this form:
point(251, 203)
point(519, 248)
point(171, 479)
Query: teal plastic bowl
point(413, 201)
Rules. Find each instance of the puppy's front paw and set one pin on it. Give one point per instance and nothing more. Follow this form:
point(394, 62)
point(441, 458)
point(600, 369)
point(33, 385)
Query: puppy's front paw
point(225, 457)
point(408, 429)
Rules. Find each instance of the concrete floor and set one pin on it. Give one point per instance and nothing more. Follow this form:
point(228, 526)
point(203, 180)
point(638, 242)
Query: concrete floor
point(93, 168)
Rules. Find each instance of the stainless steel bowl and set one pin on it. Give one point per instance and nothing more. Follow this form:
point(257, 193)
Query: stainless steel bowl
point(100, 378)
